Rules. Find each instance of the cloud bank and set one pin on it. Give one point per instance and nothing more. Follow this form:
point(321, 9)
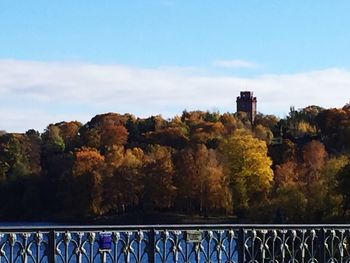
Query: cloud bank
point(34, 94)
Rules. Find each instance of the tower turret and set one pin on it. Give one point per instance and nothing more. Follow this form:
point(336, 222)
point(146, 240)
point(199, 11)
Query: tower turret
point(246, 102)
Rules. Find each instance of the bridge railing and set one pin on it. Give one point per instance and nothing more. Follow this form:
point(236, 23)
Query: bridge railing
point(176, 243)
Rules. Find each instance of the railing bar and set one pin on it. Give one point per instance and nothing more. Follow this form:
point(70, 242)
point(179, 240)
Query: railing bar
point(145, 227)
point(52, 247)
point(240, 246)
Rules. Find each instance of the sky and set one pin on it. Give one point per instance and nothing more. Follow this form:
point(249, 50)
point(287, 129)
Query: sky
point(70, 60)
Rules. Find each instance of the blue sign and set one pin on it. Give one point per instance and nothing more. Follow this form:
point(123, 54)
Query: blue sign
point(105, 241)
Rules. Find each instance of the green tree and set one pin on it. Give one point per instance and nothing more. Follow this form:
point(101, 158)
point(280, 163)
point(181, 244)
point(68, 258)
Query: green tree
point(52, 140)
point(343, 177)
point(331, 187)
point(292, 203)
point(13, 156)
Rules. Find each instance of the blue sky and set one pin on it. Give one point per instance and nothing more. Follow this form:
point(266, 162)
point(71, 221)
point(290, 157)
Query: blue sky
point(66, 60)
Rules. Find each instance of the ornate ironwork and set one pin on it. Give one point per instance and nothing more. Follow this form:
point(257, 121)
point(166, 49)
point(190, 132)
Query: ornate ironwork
point(23, 246)
point(187, 243)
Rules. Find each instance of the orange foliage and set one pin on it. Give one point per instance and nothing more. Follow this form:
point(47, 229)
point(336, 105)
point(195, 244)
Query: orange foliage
point(87, 160)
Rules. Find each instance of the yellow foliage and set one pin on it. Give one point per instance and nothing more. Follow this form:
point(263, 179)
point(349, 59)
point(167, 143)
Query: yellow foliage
point(304, 127)
point(248, 168)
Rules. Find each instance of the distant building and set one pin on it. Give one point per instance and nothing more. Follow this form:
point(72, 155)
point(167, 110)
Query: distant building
point(247, 103)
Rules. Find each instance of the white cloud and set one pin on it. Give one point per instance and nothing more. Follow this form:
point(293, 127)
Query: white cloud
point(235, 64)
point(34, 94)
point(20, 120)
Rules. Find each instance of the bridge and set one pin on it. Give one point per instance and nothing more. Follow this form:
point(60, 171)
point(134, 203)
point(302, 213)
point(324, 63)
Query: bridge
point(176, 243)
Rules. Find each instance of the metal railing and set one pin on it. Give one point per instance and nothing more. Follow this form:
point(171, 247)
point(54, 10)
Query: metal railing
point(176, 243)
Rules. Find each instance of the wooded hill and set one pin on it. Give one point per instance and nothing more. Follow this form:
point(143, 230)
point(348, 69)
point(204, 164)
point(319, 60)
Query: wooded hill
point(291, 170)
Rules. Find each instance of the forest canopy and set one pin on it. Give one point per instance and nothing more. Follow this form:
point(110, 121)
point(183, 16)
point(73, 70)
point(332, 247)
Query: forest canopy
point(289, 170)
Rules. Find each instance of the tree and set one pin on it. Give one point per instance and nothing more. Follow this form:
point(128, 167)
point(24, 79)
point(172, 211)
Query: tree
point(158, 171)
point(268, 121)
point(13, 158)
point(310, 181)
point(248, 169)
point(91, 137)
point(113, 134)
point(230, 122)
point(333, 201)
point(314, 155)
point(263, 133)
point(52, 140)
point(170, 136)
point(343, 177)
point(304, 128)
point(88, 171)
point(291, 203)
point(335, 129)
point(201, 181)
point(33, 151)
point(286, 173)
point(204, 132)
point(303, 121)
point(281, 153)
point(216, 192)
point(69, 132)
point(123, 186)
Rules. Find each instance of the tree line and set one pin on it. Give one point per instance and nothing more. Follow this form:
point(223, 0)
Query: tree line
point(290, 170)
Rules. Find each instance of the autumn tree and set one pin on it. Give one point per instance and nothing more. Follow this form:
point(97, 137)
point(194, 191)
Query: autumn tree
point(268, 121)
point(314, 157)
point(263, 133)
point(105, 130)
point(335, 128)
point(113, 134)
point(248, 169)
point(158, 172)
point(286, 173)
point(123, 186)
point(186, 180)
point(69, 132)
point(302, 122)
point(215, 193)
point(201, 181)
point(230, 122)
point(200, 162)
point(88, 173)
point(174, 137)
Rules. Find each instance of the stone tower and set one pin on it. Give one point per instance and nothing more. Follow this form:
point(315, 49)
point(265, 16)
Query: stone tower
point(247, 103)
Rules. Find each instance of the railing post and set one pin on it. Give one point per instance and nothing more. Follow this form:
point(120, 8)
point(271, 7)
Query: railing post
point(51, 247)
point(322, 248)
point(151, 246)
point(240, 246)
